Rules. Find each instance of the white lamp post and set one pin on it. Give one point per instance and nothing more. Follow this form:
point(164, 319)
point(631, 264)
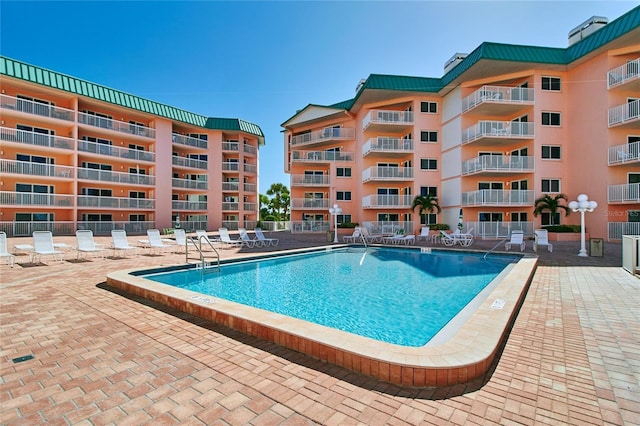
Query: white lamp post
point(582, 205)
point(335, 211)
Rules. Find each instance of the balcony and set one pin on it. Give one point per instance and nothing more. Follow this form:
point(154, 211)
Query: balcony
point(115, 177)
point(388, 121)
point(188, 162)
point(35, 169)
point(249, 149)
point(189, 183)
point(231, 146)
point(498, 132)
point(115, 151)
point(624, 154)
point(10, 103)
point(230, 206)
point(37, 139)
point(117, 126)
point(188, 205)
point(231, 186)
point(320, 156)
point(498, 198)
point(388, 174)
point(250, 168)
point(626, 76)
point(250, 207)
point(189, 141)
point(625, 115)
point(116, 202)
point(387, 201)
point(387, 147)
point(310, 203)
point(310, 180)
point(230, 166)
point(324, 136)
point(498, 100)
point(250, 187)
point(493, 165)
point(35, 199)
point(624, 194)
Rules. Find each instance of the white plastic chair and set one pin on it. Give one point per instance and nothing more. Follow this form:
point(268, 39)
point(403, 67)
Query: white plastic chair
point(43, 246)
point(517, 239)
point(181, 238)
point(226, 239)
point(266, 241)
point(247, 240)
point(120, 242)
point(86, 244)
point(3, 249)
point(154, 242)
point(354, 237)
point(424, 234)
point(542, 239)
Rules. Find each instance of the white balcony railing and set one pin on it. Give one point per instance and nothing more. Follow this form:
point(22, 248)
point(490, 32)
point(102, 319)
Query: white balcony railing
point(189, 205)
point(250, 168)
point(250, 187)
point(498, 197)
point(231, 146)
point(387, 173)
point(320, 156)
point(499, 229)
point(36, 108)
point(389, 227)
point(499, 163)
point(376, 116)
point(115, 177)
point(250, 207)
point(35, 169)
point(498, 129)
point(623, 113)
point(231, 186)
point(615, 230)
point(499, 94)
point(34, 199)
point(627, 153)
point(387, 145)
point(38, 139)
point(623, 73)
point(189, 183)
point(115, 151)
point(116, 202)
point(310, 180)
point(310, 203)
point(324, 135)
point(250, 149)
point(118, 126)
point(387, 201)
point(231, 206)
point(625, 193)
point(189, 141)
point(188, 162)
point(231, 166)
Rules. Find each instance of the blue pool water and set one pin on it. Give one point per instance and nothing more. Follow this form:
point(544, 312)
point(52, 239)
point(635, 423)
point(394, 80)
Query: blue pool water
point(394, 295)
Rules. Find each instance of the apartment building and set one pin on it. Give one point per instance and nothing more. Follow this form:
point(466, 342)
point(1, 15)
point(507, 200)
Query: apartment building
point(78, 155)
point(504, 125)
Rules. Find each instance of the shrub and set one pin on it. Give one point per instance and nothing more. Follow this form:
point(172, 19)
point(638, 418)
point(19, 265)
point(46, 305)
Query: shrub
point(439, 227)
point(562, 228)
point(347, 225)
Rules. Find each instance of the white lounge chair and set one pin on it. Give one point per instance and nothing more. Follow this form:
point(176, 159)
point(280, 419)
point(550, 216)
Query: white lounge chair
point(226, 239)
point(154, 241)
point(517, 239)
point(266, 241)
point(368, 237)
point(3, 249)
point(354, 237)
point(86, 244)
point(400, 239)
point(542, 239)
point(424, 234)
point(180, 236)
point(465, 240)
point(43, 246)
point(120, 242)
point(247, 240)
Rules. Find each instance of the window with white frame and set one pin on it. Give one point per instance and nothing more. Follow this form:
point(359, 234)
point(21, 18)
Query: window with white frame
point(343, 171)
point(550, 118)
point(343, 195)
point(429, 190)
point(551, 83)
point(429, 107)
point(550, 185)
point(551, 152)
point(518, 216)
point(428, 136)
point(428, 164)
point(546, 218)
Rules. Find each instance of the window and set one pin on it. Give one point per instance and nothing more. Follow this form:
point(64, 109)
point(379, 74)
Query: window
point(551, 83)
point(96, 192)
point(519, 217)
point(388, 217)
point(428, 219)
point(489, 217)
point(343, 195)
point(137, 218)
point(633, 215)
point(343, 218)
point(551, 152)
point(429, 107)
point(550, 118)
point(428, 136)
point(137, 171)
point(137, 194)
point(550, 185)
point(34, 217)
point(428, 164)
point(343, 171)
point(431, 190)
point(546, 218)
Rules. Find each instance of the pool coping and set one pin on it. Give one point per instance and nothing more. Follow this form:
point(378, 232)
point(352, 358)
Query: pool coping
point(467, 355)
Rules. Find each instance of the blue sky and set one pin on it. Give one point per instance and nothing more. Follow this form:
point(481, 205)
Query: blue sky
point(263, 61)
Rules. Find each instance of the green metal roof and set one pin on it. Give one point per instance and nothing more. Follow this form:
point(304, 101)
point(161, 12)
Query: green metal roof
point(404, 83)
point(56, 80)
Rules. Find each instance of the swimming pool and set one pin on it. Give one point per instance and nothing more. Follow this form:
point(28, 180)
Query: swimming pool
point(397, 296)
point(461, 351)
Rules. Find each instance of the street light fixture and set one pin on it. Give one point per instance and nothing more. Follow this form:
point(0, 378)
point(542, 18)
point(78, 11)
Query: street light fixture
point(582, 205)
point(335, 211)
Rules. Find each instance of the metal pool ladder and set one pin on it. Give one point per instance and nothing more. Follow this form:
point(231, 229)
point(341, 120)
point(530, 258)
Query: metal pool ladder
point(203, 264)
point(495, 247)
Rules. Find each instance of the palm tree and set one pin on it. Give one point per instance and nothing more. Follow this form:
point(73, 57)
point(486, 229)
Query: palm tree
point(281, 198)
point(427, 204)
point(552, 204)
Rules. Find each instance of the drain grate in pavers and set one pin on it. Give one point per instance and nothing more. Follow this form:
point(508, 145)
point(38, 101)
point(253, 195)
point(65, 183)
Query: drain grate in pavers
point(22, 359)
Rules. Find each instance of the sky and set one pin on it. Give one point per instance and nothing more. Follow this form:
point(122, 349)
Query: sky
point(263, 61)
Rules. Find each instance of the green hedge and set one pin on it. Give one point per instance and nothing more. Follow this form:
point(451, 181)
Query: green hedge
point(347, 225)
point(562, 228)
point(439, 227)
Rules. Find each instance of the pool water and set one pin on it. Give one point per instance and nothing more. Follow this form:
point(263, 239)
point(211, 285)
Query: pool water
point(397, 296)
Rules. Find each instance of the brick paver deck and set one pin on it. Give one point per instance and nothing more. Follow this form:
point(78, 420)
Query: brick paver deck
point(100, 357)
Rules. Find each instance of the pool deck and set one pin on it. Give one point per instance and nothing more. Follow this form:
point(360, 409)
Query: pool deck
point(100, 357)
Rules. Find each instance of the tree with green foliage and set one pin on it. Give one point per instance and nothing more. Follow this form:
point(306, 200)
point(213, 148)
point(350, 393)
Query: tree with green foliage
point(426, 204)
point(551, 204)
point(281, 198)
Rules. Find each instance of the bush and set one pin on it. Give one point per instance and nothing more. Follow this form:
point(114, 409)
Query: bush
point(562, 228)
point(347, 225)
point(439, 227)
